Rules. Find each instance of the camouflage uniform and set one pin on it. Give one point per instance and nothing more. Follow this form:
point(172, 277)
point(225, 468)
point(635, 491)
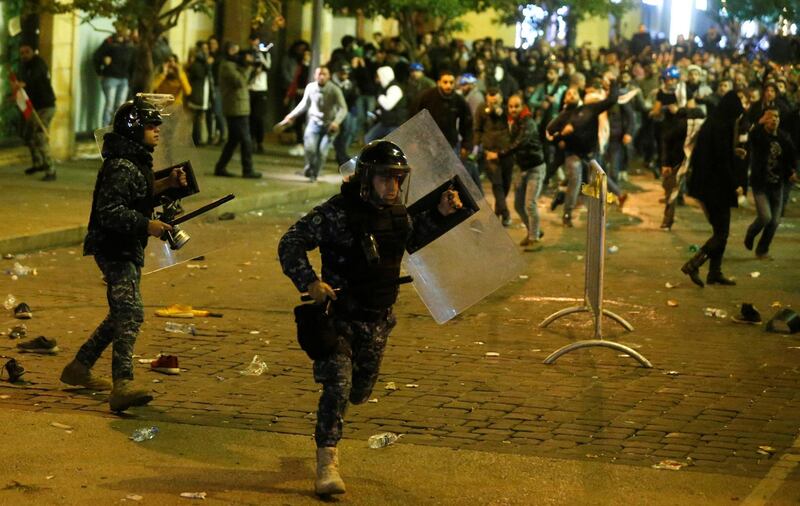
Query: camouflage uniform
point(121, 211)
point(350, 373)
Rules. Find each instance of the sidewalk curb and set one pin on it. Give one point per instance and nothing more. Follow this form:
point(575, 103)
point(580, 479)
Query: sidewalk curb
point(71, 236)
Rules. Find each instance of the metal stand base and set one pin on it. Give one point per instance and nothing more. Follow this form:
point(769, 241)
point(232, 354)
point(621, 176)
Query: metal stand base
point(598, 342)
point(583, 309)
point(593, 342)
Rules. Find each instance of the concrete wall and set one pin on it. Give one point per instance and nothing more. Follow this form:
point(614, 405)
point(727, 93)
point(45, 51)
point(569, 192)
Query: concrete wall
point(480, 25)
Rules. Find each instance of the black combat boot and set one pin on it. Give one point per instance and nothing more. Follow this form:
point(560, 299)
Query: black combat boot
point(692, 267)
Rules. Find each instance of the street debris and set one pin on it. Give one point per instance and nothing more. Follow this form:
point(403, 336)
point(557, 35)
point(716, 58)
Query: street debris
point(19, 270)
point(373, 401)
point(133, 497)
point(18, 332)
point(715, 312)
point(491, 354)
point(613, 248)
point(194, 495)
point(382, 440)
point(4, 397)
point(693, 248)
point(672, 373)
point(478, 343)
point(412, 385)
point(254, 332)
point(10, 302)
point(670, 285)
point(197, 266)
point(523, 276)
point(785, 321)
point(60, 426)
point(765, 450)
point(755, 274)
point(256, 367)
point(226, 216)
point(184, 311)
point(180, 328)
point(672, 303)
point(390, 386)
point(671, 465)
point(144, 434)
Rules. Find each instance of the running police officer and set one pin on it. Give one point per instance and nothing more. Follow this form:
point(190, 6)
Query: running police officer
point(362, 233)
point(119, 226)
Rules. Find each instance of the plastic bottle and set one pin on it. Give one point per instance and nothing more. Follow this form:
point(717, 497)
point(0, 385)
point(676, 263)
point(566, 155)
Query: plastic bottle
point(144, 434)
point(382, 440)
point(180, 328)
point(10, 302)
point(693, 248)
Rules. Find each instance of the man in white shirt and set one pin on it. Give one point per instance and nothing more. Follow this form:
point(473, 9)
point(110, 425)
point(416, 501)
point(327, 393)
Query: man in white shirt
point(326, 109)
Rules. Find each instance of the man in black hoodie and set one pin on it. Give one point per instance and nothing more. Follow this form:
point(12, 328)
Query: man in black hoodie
point(772, 169)
point(34, 78)
point(714, 181)
point(113, 62)
point(119, 225)
point(575, 132)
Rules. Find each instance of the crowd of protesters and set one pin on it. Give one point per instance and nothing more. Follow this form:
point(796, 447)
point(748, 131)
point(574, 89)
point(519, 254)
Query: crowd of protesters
point(536, 116)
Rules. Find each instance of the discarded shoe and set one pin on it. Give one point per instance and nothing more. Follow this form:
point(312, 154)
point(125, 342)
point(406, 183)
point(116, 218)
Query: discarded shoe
point(166, 364)
point(41, 345)
point(77, 374)
point(23, 312)
point(14, 370)
point(748, 314)
point(18, 332)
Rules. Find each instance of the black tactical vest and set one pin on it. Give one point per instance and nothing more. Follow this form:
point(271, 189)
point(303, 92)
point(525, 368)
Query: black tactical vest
point(385, 231)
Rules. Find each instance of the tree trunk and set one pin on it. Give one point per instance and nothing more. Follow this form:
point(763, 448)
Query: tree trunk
point(408, 31)
point(143, 68)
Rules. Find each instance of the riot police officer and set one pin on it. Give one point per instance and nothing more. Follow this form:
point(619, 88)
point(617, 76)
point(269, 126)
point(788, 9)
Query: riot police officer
point(362, 233)
point(119, 225)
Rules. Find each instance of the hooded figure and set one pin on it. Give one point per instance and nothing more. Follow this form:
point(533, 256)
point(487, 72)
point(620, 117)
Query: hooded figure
point(392, 106)
point(713, 181)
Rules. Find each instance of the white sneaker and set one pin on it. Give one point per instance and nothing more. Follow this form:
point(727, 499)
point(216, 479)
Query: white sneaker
point(297, 150)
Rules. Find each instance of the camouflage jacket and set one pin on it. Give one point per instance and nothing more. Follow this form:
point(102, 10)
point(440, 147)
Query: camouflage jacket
point(123, 202)
point(327, 227)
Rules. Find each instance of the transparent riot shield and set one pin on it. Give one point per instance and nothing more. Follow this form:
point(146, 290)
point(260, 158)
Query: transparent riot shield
point(174, 148)
point(457, 267)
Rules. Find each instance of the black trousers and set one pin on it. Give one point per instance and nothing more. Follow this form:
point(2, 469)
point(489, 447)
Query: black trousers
point(258, 113)
point(238, 132)
point(719, 216)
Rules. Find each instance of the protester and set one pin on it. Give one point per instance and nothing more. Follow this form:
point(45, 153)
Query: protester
point(34, 79)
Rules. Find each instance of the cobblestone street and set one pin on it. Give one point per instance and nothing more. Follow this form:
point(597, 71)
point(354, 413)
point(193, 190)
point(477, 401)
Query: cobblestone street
point(721, 397)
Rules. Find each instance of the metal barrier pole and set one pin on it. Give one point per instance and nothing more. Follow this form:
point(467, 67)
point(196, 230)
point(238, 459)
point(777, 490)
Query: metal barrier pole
point(596, 193)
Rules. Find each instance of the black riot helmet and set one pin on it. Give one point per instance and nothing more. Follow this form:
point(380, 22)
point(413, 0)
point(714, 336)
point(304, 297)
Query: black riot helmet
point(380, 158)
point(132, 116)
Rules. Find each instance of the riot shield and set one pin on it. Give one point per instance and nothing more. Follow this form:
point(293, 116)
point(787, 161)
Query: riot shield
point(175, 147)
point(474, 256)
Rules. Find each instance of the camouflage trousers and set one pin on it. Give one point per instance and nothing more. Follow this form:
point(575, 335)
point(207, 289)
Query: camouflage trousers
point(347, 377)
point(121, 325)
point(36, 138)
